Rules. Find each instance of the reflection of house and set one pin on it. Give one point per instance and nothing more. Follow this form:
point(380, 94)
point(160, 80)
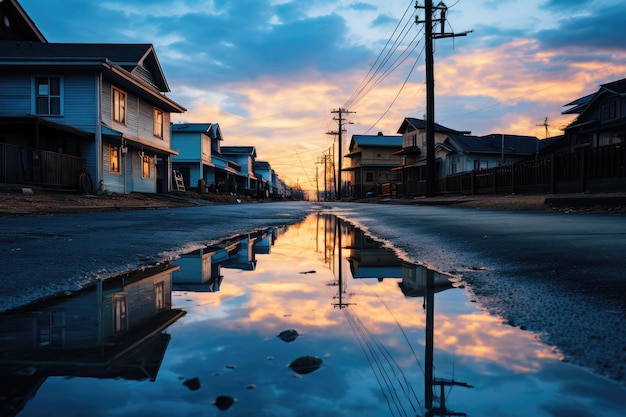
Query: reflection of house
point(372, 158)
point(113, 330)
point(201, 270)
point(601, 118)
point(199, 158)
point(415, 278)
point(64, 107)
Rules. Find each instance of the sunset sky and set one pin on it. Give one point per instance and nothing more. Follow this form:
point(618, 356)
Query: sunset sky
point(270, 71)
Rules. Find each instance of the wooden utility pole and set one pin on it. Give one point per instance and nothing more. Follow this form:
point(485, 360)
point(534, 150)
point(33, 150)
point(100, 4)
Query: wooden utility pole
point(340, 120)
point(429, 9)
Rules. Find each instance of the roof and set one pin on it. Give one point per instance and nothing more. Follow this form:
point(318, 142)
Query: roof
point(130, 57)
point(262, 165)
point(211, 129)
point(376, 140)
point(580, 105)
point(238, 150)
point(420, 124)
point(17, 25)
point(492, 144)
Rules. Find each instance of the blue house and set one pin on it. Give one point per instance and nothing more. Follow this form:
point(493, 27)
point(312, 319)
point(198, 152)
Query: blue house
point(244, 156)
point(199, 158)
point(68, 109)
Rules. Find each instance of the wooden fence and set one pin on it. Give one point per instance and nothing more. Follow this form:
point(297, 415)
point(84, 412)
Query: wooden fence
point(19, 165)
point(587, 170)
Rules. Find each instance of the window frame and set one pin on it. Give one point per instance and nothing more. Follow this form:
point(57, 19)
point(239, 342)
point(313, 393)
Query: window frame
point(158, 129)
point(114, 151)
point(48, 96)
point(145, 166)
point(119, 107)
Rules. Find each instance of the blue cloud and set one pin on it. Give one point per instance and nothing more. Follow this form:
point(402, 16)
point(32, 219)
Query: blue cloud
point(363, 7)
point(599, 28)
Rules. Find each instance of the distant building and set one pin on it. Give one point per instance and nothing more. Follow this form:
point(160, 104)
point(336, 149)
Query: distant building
point(371, 160)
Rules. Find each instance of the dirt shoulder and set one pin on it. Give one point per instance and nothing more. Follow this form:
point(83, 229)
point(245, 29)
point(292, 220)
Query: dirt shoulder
point(41, 202)
point(28, 201)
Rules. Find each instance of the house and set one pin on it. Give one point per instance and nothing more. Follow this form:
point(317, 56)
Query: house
point(89, 116)
point(601, 118)
point(413, 152)
point(199, 157)
point(245, 157)
point(371, 160)
point(464, 153)
point(265, 179)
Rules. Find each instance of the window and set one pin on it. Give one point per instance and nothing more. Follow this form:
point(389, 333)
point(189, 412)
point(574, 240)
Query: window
point(48, 96)
point(608, 111)
point(145, 167)
point(158, 123)
point(159, 296)
point(114, 160)
point(369, 176)
point(119, 106)
point(480, 164)
point(120, 313)
point(50, 329)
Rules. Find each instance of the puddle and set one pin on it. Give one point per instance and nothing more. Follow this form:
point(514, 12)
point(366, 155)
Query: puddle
point(316, 319)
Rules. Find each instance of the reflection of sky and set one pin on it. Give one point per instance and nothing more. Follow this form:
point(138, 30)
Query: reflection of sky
point(228, 340)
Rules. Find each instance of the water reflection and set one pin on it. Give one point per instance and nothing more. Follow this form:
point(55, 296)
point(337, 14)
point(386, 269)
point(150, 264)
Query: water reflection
point(111, 330)
point(317, 319)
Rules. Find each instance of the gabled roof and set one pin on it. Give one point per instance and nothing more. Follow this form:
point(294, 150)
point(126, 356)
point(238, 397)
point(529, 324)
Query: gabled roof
point(238, 150)
point(580, 105)
point(16, 25)
point(492, 144)
point(376, 141)
point(134, 58)
point(210, 129)
point(262, 165)
point(420, 124)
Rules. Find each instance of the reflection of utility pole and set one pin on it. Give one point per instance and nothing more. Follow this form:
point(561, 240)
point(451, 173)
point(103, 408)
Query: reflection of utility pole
point(340, 120)
point(340, 284)
point(429, 380)
point(430, 83)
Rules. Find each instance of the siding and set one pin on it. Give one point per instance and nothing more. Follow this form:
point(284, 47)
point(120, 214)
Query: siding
point(15, 95)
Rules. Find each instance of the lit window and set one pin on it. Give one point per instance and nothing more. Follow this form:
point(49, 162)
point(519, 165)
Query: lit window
point(114, 160)
point(145, 167)
point(158, 123)
point(119, 106)
point(159, 296)
point(48, 96)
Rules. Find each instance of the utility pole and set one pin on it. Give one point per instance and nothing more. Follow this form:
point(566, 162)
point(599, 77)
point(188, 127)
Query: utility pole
point(429, 9)
point(340, 120)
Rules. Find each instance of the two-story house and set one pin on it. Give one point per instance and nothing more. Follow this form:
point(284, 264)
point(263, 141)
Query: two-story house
point(69, 107)
point(244, 156)
point(371, 160)
point(199, 158)
point(413, 152)
point(265, 174)
point(601, 118)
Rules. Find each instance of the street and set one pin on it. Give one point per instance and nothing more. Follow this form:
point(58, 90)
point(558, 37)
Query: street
point(559, 275)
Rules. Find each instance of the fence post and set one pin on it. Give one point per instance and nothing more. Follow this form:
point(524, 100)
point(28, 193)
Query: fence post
point(583, 171)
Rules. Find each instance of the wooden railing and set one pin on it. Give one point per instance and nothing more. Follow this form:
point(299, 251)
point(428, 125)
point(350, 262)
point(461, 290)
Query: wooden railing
point(599, 169)
point(19, 165)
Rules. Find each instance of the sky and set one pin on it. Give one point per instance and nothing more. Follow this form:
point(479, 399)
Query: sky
point(271, 72)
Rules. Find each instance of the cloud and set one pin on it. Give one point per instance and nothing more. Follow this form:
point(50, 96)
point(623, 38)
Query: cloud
point(598, 27)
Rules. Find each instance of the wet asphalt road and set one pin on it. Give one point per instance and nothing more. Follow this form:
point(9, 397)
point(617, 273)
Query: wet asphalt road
point(555, 273)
